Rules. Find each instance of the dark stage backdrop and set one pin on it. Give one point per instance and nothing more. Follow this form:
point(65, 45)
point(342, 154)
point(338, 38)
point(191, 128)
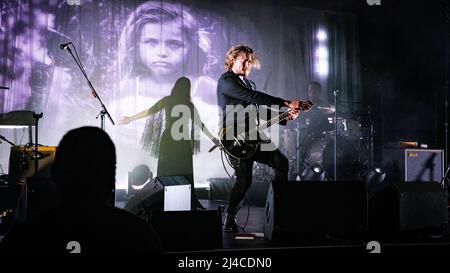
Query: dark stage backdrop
point(121, 43)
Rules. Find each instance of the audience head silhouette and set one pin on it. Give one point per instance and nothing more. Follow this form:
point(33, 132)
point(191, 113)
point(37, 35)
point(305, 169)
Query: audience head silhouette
point(83, 170)
point(85, 165)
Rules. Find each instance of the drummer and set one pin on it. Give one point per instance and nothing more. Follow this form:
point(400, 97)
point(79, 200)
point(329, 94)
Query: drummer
point(317, 118)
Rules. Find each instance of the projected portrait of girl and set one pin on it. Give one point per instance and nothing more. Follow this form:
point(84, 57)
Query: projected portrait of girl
point(160, 42)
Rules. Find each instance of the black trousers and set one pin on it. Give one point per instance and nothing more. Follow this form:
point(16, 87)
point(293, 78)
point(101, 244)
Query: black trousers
point(243, 168)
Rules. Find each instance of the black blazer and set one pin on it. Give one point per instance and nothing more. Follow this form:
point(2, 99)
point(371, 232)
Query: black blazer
point(231, 90)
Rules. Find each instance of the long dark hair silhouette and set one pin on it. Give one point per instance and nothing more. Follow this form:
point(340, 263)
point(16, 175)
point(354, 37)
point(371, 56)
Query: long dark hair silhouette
point(181, 91)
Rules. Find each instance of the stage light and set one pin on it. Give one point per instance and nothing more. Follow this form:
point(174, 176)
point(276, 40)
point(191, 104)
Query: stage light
point(313, 173)
point(321, 61)
point(374, 180)
point(322, 53)
point(375, 176)
point(138, 178)
point(321, 35)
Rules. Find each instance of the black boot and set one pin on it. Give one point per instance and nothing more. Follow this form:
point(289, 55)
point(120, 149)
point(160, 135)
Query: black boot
point(230, 223)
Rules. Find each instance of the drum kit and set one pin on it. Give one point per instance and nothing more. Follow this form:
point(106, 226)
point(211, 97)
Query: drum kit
point(311, 145)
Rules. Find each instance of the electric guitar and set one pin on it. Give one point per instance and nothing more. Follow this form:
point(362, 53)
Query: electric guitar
point(241, 146)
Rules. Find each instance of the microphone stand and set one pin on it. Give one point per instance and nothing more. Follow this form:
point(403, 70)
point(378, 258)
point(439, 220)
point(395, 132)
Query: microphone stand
point(371, 140)
point(444, 178)
point(335, 93)
point(104, 111)
point(4, 139)
point(36, 152)
point(447, 18)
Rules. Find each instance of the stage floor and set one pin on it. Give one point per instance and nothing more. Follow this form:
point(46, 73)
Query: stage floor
point(252, 220)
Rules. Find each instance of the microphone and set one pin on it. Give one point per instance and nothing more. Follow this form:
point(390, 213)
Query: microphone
point(64, 46)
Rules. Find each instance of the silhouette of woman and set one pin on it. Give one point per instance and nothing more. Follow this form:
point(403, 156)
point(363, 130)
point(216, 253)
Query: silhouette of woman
point(175, 146)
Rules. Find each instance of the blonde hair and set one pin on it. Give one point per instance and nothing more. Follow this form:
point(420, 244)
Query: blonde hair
point(233, 53)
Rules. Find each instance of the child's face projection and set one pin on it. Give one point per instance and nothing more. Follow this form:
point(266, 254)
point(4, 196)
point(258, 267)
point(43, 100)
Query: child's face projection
point(163, 47)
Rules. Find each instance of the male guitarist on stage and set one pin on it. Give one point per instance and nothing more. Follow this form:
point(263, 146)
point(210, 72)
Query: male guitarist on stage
point(235, 89)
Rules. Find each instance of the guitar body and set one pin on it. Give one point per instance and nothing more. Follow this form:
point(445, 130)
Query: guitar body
point(240, 149)
point(241, 145)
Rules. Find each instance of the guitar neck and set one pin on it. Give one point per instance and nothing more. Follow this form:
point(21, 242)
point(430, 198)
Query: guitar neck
point(273, 121)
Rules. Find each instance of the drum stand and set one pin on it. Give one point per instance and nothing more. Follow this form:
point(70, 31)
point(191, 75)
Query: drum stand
point(335, 93)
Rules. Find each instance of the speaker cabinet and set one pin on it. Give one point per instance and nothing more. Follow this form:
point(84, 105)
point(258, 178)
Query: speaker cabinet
point(188, 230)
point(409, 206)
point(300, 210)
point(424, 165)
point(417, 165)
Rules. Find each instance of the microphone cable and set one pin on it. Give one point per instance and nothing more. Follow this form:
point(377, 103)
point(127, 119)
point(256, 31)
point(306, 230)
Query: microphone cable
point(234, 181)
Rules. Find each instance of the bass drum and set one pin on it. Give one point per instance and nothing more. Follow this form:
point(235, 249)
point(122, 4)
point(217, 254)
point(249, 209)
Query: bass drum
point(321, 153)
point(314, 151)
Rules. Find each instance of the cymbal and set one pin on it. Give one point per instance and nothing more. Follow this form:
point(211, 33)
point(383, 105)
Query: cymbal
point(326, 110)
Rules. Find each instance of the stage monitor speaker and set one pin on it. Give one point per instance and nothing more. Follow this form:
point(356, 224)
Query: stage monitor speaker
point(21, 163)
point(188, 230)
point(177, 197)
point(299, 210)
point(151, 196)
point(409, 206)
point(220, 189)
